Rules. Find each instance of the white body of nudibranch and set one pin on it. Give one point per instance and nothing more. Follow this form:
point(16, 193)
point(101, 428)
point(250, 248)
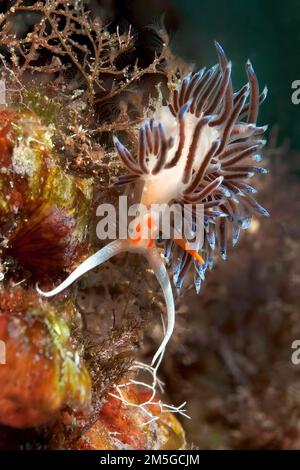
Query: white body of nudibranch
point(167, 184)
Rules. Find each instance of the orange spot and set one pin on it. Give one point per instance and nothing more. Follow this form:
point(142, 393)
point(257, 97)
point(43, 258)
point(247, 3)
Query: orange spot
point(185, 246)
point(150, 222)
point(151, 243)
point(137, 238)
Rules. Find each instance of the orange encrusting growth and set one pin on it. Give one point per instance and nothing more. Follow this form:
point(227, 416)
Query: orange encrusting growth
point(44, 371)
point(124, 425)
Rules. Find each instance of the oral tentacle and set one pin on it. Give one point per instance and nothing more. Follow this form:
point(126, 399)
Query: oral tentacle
point(110, 250)
point(155, 262)
point(161, 273)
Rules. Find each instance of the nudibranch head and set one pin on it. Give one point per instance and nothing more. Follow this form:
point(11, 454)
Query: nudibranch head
point(202, 148)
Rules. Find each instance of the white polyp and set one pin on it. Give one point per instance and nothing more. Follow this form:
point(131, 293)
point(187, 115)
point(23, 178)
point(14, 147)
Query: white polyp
point(110, 250)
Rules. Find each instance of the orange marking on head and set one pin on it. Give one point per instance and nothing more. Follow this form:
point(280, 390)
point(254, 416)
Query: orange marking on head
point(136, 240)
point(136, 237)
point(151, 243)
point(185, 246)
point(150, 222)
point(139, 232)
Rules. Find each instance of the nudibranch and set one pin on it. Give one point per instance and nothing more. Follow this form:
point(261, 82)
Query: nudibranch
point(200, 148)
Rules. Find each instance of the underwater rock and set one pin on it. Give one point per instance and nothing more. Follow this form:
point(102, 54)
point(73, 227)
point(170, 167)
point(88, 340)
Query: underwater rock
point(121, 425)
point(43, 370)
point(43, 211)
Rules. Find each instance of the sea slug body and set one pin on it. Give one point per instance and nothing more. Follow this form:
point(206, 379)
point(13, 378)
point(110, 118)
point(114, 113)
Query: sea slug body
point(202, 147)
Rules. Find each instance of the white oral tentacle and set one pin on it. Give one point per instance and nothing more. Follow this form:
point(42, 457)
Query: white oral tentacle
point(110, 250)
point(155, 262)
point(162, 276)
